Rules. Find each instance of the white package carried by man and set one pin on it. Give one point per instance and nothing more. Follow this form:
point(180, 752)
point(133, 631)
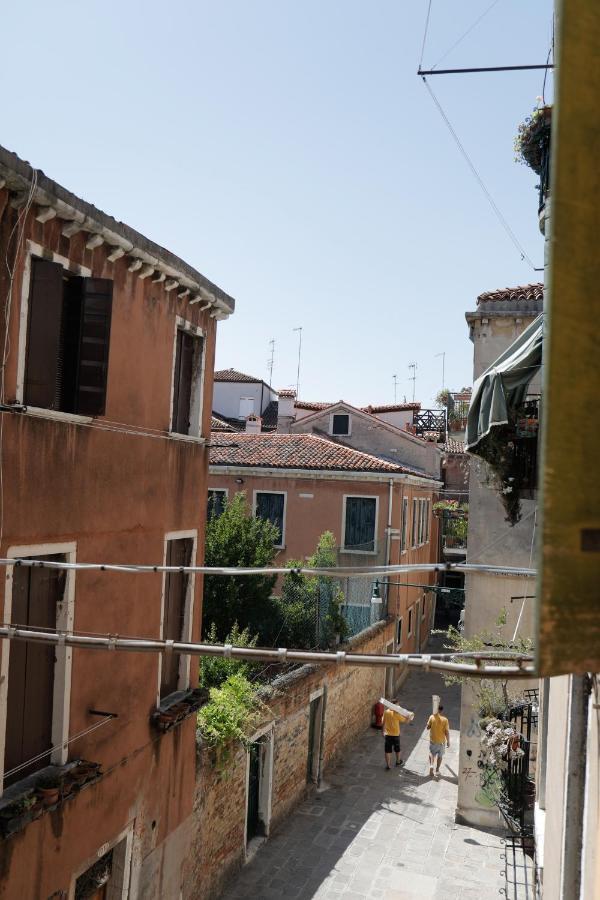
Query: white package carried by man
point(398, 709)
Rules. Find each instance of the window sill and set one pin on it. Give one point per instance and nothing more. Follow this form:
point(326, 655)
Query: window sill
point(72, 780)
point(359, 552)
point(189, 438)
point(177, 707)
point(57, 415)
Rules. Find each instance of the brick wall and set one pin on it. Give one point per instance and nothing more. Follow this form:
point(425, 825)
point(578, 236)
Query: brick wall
point(219, 819)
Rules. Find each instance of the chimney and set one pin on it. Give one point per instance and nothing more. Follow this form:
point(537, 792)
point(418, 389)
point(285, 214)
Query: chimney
point(286, 414)
point(253, 424)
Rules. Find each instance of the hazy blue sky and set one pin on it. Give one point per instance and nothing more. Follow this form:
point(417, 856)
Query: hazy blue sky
point(289, 152)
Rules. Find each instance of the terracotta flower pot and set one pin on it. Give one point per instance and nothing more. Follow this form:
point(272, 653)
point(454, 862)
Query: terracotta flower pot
point(49, 796)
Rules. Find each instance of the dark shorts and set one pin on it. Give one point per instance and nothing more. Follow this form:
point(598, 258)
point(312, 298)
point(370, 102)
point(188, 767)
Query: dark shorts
point(392, 742)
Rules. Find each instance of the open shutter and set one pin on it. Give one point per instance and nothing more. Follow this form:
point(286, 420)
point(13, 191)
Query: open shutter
point(179, 553)
point(94, 337)
point(42, 370)
point(182, 384)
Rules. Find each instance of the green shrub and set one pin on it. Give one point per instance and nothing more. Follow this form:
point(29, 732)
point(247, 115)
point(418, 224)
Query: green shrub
point(214, 670)
point(232, 711)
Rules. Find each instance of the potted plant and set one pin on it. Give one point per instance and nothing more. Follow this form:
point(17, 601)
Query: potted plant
point(533, 138)
point(17, 814)
point(48, 788)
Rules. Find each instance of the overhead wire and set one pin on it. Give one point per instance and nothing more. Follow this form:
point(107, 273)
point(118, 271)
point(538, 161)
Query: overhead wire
point(425, 33)
point(479, 179)
point(466, 33)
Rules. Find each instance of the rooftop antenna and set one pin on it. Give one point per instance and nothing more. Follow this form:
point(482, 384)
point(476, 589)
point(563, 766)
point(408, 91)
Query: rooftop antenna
point(271, 360)
point(443, 355)
point(299, 330)
point(395, 377)
point(413, 377)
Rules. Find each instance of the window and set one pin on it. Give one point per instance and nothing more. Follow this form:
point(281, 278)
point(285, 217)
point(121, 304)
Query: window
point(36, 598)
point(179, 553)
point(404, 525)
point(217, 498)
point(414, 522)
point(270, 505)
point(410, 621)
point(68, 334)
point(427, 519)
point(187, 381)
point(399, 634)
point(360, 522)
point(340, 423)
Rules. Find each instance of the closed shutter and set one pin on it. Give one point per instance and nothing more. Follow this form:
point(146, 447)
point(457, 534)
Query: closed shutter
point(360, 523)
point(271, 508)
point(94, 337)
point(182, 385)
point(179, 553)
point(42, 369)
point(36, 593)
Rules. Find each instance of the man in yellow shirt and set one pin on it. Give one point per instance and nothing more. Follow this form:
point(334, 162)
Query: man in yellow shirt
point(391, 734)
point(439, 736)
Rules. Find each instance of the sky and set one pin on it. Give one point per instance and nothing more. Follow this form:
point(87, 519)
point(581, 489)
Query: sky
point(289, 152)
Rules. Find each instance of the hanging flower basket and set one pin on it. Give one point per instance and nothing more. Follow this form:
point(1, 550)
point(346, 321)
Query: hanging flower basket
point(533, 139)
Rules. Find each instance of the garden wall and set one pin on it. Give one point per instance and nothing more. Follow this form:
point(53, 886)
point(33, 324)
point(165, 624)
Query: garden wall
point(218, 841)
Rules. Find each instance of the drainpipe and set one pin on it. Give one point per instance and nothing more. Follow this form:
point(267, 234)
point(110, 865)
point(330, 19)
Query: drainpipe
point(388, 543)
point(322, 741)
point(574, 802)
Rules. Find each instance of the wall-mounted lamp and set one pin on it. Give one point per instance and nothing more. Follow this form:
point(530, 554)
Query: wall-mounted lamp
point(239, 480)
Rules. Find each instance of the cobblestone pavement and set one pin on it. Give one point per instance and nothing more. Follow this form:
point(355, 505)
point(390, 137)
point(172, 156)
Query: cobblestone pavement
point(377, 833)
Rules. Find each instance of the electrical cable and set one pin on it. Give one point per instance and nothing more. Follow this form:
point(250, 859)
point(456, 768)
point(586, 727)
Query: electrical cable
point(62, 746)
point(467, 32)
point(425, 34)
point(333, 572)
point(471, 165)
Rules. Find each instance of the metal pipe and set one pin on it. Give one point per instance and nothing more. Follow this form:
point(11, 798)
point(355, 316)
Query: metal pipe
point(334, 572)
point(340, 657)
point(423, 72)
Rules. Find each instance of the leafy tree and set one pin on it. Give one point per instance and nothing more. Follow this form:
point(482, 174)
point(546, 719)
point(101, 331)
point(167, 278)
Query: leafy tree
point(237, 538)
point(309, 607)
point(214, 670)
point(233, 709)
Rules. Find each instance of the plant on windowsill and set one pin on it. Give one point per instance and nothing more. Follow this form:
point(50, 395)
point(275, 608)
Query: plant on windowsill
point(18, 814)
point(533, 138)
point(48, 788)
point(166, 718)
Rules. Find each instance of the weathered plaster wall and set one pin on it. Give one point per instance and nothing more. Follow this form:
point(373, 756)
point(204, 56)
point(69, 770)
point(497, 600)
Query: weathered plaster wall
point(115, 487)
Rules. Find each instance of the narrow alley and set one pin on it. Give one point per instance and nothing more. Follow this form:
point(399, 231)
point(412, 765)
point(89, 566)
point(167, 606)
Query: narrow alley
point(386, 834)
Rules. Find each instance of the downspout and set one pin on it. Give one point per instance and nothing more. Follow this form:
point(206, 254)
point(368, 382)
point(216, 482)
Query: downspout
point(320, 785)
point(388, 543)
point(574, 802)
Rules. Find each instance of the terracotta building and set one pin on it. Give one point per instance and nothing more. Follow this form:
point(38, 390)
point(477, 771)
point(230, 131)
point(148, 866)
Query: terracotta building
point(380, 512)
point(107, 380)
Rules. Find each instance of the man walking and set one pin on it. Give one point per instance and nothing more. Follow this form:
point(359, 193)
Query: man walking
point(439, 737)
point(391, 734)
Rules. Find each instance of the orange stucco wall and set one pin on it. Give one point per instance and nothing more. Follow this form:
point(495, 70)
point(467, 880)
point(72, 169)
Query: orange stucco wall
point(306, 518)
point(114, 487)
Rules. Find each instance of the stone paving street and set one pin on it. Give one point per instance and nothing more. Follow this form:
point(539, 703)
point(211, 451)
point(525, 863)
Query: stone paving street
point(377, 833)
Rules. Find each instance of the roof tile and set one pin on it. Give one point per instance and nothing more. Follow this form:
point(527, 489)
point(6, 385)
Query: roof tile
point(524, 292)
point(296, 451)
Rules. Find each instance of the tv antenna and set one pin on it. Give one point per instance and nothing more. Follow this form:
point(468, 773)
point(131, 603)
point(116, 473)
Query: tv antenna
point(299, 330)
point(413, 377)
point(395, 377)
point(271, 361)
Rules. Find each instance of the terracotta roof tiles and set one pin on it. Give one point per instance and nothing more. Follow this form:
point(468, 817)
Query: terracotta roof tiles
point(234, 375)
point(524, 292)
point(297, 451)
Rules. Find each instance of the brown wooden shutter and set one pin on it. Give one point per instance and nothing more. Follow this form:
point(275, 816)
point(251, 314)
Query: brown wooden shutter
point(36, 593)
point(179, 553)
point(42, 369)
point(94, 339)
point(182, 384)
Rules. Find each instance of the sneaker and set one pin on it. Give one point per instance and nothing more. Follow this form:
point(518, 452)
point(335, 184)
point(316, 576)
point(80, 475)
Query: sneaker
point(399, 762)
point(387, 767)
point(437, 776)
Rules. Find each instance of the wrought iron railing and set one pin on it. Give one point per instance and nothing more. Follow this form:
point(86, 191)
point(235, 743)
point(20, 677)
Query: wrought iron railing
point(428, 421)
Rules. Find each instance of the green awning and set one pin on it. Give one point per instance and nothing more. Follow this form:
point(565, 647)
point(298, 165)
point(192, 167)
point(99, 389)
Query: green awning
point(503, 387)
